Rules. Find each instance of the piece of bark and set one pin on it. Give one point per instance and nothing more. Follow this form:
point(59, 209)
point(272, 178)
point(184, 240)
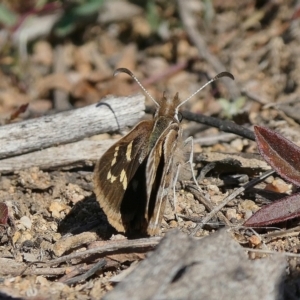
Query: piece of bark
point(109, 115)
point(215, 267)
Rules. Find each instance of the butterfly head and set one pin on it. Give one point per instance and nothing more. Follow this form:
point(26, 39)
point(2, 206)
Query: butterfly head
point(167, 107)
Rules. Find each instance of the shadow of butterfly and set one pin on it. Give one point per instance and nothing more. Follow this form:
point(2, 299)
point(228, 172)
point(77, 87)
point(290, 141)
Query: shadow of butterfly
point(133, 178)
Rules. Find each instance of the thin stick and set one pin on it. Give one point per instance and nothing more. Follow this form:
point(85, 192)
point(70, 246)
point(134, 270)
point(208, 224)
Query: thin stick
point(110, 247)
point(98, 266)
point(231, 197)
point(272, 252)
point(206, 202)
point(223, 125)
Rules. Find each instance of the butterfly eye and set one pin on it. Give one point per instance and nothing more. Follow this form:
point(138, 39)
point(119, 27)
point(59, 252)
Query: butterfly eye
point(180, 117)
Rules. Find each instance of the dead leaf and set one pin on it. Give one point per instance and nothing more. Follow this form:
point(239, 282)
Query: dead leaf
point(280, 153)
point(279, 211)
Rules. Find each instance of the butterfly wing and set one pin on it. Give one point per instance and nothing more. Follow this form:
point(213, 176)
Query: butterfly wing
point(119, 178)
point(160, 176)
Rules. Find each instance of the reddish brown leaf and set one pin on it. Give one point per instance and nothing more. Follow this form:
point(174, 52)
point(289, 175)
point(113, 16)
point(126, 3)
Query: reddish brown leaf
point(3, 213)
point(279, 211)
point(280, 153)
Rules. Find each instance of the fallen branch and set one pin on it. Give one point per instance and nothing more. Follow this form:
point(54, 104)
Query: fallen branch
point(111, 114)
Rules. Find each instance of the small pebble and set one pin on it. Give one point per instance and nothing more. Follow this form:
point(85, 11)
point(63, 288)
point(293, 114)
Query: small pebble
point(26, 222)
point(173, 224)
point(279, 186)
point(249, 205)
point(231, 213)
point(255, 240)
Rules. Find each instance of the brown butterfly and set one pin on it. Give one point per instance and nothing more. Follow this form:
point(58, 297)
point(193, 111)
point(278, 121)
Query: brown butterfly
point(133, 178)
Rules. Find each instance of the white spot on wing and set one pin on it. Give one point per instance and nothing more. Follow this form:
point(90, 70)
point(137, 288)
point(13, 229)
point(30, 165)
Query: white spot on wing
point(128, 152)
point(110, 177)
point(115, 156)
point(123, 179)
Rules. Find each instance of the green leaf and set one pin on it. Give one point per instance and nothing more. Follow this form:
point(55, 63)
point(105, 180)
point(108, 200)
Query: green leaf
point(7, 17)
point(229, 108)
point(65, 25)
point(153, 16)
point(88, 8)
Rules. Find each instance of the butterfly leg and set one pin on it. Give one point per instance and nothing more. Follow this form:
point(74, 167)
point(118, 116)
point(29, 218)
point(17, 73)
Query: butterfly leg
point(188, 148)
point(174, 201)
point(190, 142)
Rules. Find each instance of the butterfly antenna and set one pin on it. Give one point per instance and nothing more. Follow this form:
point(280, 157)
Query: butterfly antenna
point(220, 75)
point(125, 70)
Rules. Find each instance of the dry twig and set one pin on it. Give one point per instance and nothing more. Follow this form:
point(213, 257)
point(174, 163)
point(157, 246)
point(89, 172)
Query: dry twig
point(231, 197)
point(118, 246)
